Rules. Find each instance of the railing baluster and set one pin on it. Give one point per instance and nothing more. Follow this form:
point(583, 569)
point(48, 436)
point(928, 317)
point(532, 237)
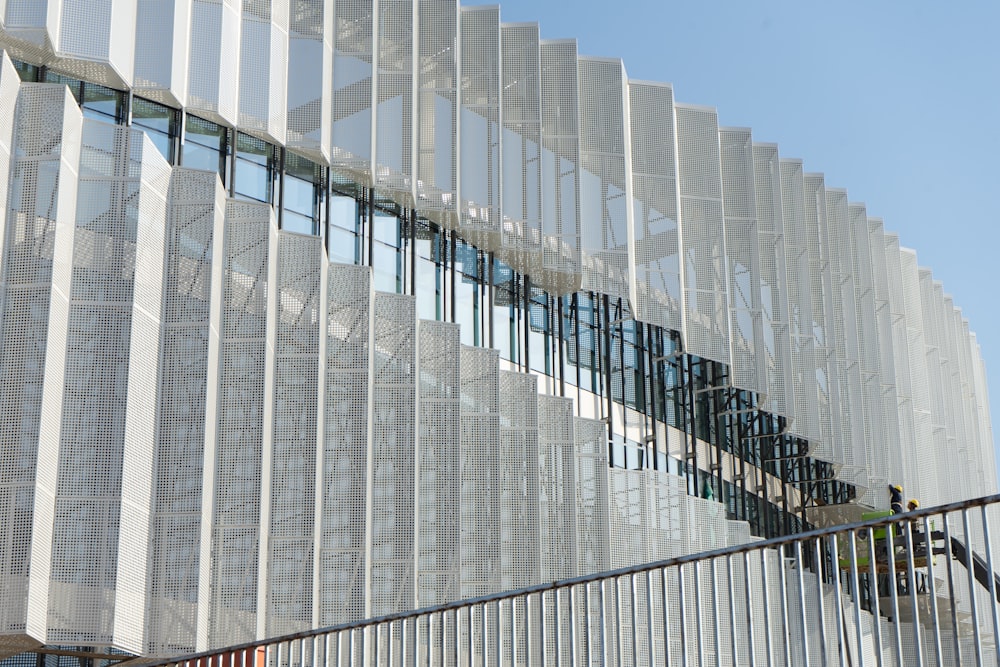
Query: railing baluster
point(911, 585)
point(842, 648)
point(635, 620)
point(820, 602)
point(766, 604)
point(991, 573)
point(649, 619)
point(683, 617)
point(932, 590)
point(667, 661)
point(890, 559)
point(972, 587)
point(749, 599)
point(800, 566)
point(697, 612)
point(856, 589)
point(951, 590)
point(733, 641)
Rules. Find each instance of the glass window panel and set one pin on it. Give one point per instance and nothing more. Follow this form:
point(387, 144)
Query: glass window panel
point(205, 146)
point(301, 224)
point(388, 265)
point(26, 71)
point(343, 246)
point(159, 122)
point(386, 229)
point(150, 115)
point(104, 101)
point(255, 168)
point(344, 214)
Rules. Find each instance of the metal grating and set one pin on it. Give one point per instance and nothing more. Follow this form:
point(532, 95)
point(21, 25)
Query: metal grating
point(706, 307)
point(658, 297)
point(605, 177)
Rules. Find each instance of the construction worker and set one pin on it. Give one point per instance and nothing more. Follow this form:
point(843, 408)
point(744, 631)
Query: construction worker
point(912, 505)
point(896, 498)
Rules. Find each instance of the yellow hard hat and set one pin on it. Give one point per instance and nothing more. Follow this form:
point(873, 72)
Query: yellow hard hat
point(913, 502)
point(898, 488)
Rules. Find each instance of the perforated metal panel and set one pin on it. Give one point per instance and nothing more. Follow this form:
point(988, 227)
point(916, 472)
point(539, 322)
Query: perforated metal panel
point(556, 488)
point(353, 76)
point(239, 416)
point(146, 187)
point(94, 576)
point(310, 78)
point(658, 298)
point(605, 177)
point(294, 439)
point(93, 40)
point(480, 461)
point(706, 303)
point(162, 31)
point(800, 306)
point(776, 350)
point(392, 459)
point(592, 526)
point(437, 113)
point(924, 478)
point(39, 228)
point(848, 399)
point(213, 84)
point(821, 292)
point(438, 521)
point(480, 127)
point(263, 62)
point(518, 467)
point(746, 324)
point(521, 161)
point(560, 170)
point(344, 483)
point(194, 216)
point(886, 361)
point(17, 459)
point(394, 100)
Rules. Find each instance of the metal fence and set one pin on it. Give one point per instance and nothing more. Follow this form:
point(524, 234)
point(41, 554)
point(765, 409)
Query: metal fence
point(911, 589)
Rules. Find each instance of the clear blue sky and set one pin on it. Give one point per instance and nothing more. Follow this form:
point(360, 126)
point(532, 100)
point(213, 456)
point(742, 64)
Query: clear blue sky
point(899, 102)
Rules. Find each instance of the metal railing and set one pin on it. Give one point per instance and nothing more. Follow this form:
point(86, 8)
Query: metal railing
point(913, 589)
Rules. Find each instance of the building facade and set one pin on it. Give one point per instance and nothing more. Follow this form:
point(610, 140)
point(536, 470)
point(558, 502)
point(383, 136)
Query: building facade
point(313, 311)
